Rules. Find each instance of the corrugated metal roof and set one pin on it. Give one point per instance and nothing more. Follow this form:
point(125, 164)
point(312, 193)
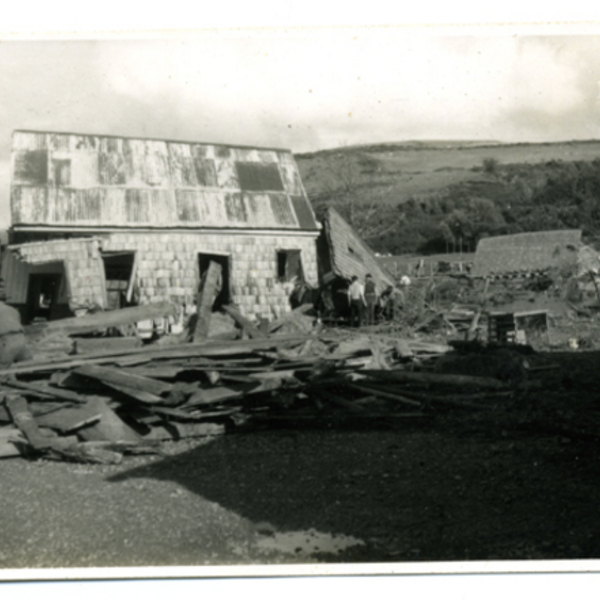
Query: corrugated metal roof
point(74, 179)
point(350, 255)
point(524, 252)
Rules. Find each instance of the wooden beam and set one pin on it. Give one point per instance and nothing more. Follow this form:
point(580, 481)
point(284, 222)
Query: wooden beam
point(110, 427)
point(144, 389)
point(112, 318)
point(291, 316)
point(199, 350)
point(66, 420)
point(246, 325)
point(207, 292)
point(106, 344)
point(44, 391)
point(23, 419)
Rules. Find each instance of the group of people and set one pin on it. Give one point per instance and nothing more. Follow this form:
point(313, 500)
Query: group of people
point(366, 304)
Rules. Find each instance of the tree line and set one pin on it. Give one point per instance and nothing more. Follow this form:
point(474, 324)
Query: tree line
point(507, 199)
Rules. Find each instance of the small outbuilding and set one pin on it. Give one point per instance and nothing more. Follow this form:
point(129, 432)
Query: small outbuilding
point(343, 254)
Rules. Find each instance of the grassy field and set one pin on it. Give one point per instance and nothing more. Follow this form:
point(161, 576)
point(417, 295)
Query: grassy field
point(395, 172)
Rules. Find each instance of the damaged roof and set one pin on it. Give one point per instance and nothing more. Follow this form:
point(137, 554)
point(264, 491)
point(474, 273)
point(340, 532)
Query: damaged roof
point(526, 252)
point(349, 254)
point(66, 179)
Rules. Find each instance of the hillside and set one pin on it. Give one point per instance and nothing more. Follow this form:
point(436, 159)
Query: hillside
point(399, 194)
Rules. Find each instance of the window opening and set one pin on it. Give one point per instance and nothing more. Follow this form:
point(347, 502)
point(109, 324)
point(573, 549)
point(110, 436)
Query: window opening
point(289, 266)
point(118, 272)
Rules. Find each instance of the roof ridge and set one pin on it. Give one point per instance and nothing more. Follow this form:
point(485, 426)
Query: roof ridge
point(152, 139)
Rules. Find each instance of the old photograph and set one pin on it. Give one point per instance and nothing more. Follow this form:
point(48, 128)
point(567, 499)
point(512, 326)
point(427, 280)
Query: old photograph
point(299, 297)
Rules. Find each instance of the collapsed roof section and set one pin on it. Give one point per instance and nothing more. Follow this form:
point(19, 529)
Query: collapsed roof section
point(73, 180)
point(343, 253)
point(523, 253)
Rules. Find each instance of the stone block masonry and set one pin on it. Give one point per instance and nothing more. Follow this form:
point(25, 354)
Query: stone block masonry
point(168, 266)
point(82, 264)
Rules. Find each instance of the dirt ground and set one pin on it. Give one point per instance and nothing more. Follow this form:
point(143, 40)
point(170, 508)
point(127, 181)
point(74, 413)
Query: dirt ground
point(519, 481)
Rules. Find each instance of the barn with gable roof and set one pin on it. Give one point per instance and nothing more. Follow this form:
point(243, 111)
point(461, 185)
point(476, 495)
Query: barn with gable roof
point(101, 222)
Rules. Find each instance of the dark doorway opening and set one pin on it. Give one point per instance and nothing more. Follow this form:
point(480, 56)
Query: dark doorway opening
point(42, 296)
point(118, 272)
point(224, 295)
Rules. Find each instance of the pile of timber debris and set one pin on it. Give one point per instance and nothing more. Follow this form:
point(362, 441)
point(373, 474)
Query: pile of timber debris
point(94, 406)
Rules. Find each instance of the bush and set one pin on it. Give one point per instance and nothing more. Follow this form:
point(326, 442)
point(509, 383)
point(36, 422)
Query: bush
point(490, 166)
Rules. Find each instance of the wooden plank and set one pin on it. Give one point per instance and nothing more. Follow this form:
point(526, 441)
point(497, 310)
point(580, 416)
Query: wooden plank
point(44, 391)
point(207, 292)
point(23, 419)
point(136, 394)
point(109, 428)
point(282, 374)
point(213, 396)
point(123, 377)
point(106, 344)
point(286, 318)
point(246, 325)
point(70, 419)
point(159, 371)
point(195, 415)
point(113, 318)
point(178, 431)
point(219, 394)
point(199, 350)
point(11, 442)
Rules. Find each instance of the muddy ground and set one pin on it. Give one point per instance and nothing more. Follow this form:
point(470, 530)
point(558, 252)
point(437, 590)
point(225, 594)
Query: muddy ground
point(519, 481)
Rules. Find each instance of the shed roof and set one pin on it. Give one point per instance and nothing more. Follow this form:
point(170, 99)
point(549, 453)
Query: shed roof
point(349, 253)
point(66, 179)
point(526, 252)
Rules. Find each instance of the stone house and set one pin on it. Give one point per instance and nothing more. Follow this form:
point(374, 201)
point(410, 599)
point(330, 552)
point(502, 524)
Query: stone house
point(101, 222)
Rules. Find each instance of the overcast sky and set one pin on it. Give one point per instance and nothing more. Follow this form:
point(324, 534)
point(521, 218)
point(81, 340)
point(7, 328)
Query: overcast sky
point(305, 89)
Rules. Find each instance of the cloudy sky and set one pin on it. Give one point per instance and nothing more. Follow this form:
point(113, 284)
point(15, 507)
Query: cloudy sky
point(304, 89)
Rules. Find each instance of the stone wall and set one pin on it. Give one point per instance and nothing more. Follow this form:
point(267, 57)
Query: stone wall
point(167, 266)
point(82, 264)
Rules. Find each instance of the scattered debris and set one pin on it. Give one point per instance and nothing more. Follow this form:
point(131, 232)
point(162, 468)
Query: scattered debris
point(98, 405)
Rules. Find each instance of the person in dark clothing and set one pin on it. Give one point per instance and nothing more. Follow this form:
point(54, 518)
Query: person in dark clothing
point(370, 299)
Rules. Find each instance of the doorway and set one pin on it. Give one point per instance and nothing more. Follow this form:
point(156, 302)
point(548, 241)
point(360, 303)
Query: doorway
point(224, 295)
point(42, 296)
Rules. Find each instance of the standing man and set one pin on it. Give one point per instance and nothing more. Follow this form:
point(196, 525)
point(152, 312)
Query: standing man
point(356, 298)
point(370, 299)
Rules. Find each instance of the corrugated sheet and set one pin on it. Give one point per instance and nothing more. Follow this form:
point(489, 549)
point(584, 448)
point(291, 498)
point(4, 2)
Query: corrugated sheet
point(30, 166)
point(256, 177)
point(304, 212)
point(282, 209)
point(236, 208)
point(291, 179)
point(76, 179)
point(349, 253)
point(525, 252)
point(29, 140)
